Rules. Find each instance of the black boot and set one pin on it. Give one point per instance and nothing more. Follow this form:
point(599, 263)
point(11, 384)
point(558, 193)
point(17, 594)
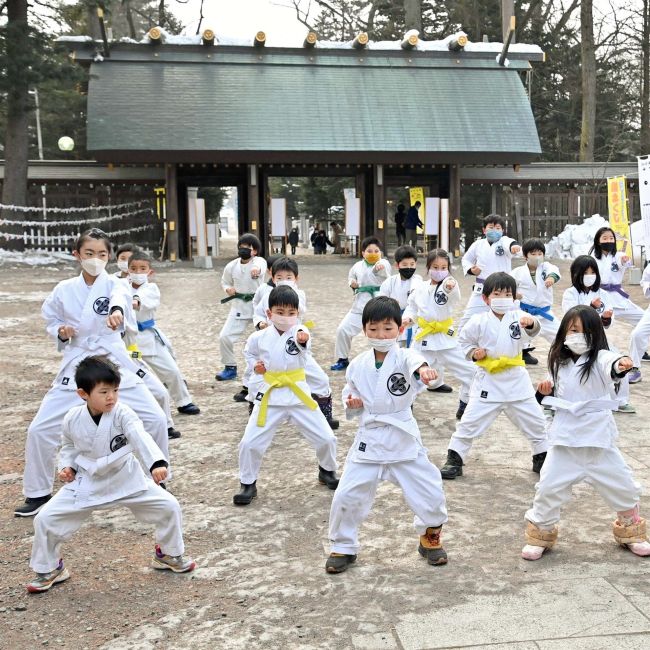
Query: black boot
point(172, 433)
point(538, 461)
point(246, 495)
point(325, 405)
point(443, 388)
point(453, 466)
point(461, 409)
point(328, 477)
point(528, 358)
point(241, 395)
point(251, 406)
point(338, 562)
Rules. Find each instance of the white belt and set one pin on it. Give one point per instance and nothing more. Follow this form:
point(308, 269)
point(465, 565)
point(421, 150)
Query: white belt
point(375, 421)
point(581, 408)
point(99, 466)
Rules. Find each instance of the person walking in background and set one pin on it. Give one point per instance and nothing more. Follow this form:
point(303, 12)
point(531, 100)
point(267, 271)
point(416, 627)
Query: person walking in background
point(412, 223)
point(293, 240)
point(400, 220)
point(321, 242)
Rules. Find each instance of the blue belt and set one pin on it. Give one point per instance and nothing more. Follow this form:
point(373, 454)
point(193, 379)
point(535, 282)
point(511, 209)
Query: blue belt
point(537, 311)
point(146, 325)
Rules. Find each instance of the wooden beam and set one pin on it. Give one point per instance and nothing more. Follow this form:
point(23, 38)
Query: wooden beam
point(360, 41)
point(454, 210)
point(507, 12)
point(506, 44)
point(171, 194)
point(310, 40)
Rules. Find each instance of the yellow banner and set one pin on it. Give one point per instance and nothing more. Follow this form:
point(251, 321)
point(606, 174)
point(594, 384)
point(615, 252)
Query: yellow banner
point(417, 194)
point(617, 206)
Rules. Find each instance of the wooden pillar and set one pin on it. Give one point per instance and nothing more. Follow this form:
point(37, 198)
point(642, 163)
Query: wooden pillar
point(379, 205)
point(507, 10)
point(171, 194)
point(516, 199)
point(360, 188)
point(254, 219)
point(454, 210)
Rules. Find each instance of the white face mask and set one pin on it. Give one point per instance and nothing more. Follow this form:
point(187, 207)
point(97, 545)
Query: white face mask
point(381, 345)
point(577, 343)
point(287, 283)
point(589, 280)
point(535, 260)
point(501, 305)
point(284, 323)
point(138, 278)
point(93, 266)
point(123, 265)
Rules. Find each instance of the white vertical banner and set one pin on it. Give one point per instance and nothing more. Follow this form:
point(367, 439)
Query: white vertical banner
point(201, 231)
point(432, 216)
point(644, 199)
point(278, 217)
point(191, 209)
point(352, 217)
point(444, 224)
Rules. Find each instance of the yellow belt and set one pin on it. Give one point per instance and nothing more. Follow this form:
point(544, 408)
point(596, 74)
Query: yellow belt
point(284, 379)
point(499, 364)
point(133, 351)
point(428, 327)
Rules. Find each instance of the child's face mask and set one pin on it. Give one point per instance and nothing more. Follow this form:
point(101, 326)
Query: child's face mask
point(589, 279)
point(93, 265)
point(501, 305)
point(138, 278)
point(123, 265)
point(372, 258)
point(535, 260)
point(493, 235)
point(577, 343)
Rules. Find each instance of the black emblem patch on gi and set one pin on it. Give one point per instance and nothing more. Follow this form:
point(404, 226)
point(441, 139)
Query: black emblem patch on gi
point(515, 331)
point(291, 347)
point(499, 251)
point(397, 384)
point(141, 373)
point(258, 397)
point(100, 306)
point(424, 344)
point(544, 276)
point(362, 446)
point(441, 298)
point(615, 267)
point(483, 394)
point(65, 381)
point(118, 442)
point(601, 308)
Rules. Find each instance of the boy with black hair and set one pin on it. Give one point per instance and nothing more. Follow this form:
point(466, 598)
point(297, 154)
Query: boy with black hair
point(153, 345)
point(494, 340)
point(122, 256)
point(535, 281)
point(100, 471)
point(486, 255)
point(365, 279)
point(381, 386)
point(401, 285)
point(278, 356)
point(241, 278)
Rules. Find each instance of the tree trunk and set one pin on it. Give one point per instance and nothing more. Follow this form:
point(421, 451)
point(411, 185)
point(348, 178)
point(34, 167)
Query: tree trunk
point(588, 57)
point(413, 14)
point(14, 187)
point(129, 19)
point(645, 81)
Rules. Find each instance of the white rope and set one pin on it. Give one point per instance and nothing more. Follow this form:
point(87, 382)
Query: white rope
point(26, 235)
point(74, 222)
point(90, 208)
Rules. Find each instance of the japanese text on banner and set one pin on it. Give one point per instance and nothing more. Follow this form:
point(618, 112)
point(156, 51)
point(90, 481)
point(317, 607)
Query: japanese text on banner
point(417, 194)
point(617, 205)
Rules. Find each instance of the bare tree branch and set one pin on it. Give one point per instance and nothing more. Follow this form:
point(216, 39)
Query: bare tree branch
point(198, 27)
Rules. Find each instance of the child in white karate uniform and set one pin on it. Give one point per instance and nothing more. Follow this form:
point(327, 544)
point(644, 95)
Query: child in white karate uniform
point(365, 279)
point(84, 315)
point(431, 306)
point(122, 257)
point(241, 278)
point(401, 285)
point(153, 345)
point(278, 356)
point(535, 281)
point(495, 341)
point(485, 256)
point(99, 469)
point(381, 386)
point(582, 436)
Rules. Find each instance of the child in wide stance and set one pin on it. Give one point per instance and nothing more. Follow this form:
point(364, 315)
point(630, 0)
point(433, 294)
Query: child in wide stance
point(365, 279)
point(100, 471)
point(382, 384)
point(494, 341)
point(582, 435)
point(278, 355)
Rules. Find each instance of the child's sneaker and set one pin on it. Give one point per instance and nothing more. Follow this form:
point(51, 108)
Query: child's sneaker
point(431, 548)
point(338, 562)
point(641, 549)
point(175, 563)
point(32, 506)
point(530, 552)
point(626, 408)
point(228, 373)
point(44, 581)
point(341, 364)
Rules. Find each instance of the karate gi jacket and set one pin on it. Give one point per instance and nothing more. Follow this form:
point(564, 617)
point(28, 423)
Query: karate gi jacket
point(365, 275)
point(238, 276)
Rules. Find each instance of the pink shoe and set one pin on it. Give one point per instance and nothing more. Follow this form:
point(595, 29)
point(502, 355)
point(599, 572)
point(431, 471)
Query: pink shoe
point(642, 549)
point(530, 552)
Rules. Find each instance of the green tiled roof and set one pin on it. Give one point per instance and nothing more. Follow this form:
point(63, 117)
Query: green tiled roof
point(244, 108)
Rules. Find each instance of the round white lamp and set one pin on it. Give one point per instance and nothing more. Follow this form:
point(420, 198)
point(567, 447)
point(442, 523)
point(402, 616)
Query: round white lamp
point(66, 143)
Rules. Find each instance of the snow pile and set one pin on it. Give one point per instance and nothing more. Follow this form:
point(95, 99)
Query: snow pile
point(33, 258)
point(575, 239)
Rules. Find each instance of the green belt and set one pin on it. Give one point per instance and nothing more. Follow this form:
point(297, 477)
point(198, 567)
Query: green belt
point(368, 288)
point(246, 297)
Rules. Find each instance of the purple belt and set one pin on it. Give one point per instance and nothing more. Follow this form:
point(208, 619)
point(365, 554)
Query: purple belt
point(615, 287)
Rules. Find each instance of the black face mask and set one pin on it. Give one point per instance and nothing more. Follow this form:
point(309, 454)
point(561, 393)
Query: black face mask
point(609, 247)
point(407, 274)
point(245, 253)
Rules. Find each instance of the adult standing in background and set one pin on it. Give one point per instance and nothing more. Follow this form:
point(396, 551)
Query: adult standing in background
point(293, 240)
point(400, 220)
point(412, 223)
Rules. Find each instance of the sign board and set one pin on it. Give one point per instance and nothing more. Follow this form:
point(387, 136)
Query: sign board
point(278, 217)
point(432, 218)
point(352, 217)
point(617, 206)
point(417, 194)
point(644, 198)
point(444, 224)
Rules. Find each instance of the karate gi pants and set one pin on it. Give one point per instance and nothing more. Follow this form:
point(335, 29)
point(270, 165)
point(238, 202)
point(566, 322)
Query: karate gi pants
point(164, 365)
point(639, 339)
point(604, 469)
point(44, 432)
point(231, 332)
point(453, 360)
point(160, 394)
point(631, 314)
point(348, 328)
point(419, 480)
point(256, 440)
point(525, 414)
point(61, 518)
point(475, 305)
point(549, 327)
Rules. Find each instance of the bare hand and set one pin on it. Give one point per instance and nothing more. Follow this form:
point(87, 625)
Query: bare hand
point(302, 337)
point(378, 267)
point(475, 270)
point(526, 321)
point(255, 273)
point(596, 303)
point(259, 368)
point(136, 304)
point(427, 375)
point(625, 259)
point(115, 320)
point(549, 282)
point(66, 332)
point(519, 296)
point(354, 285)
point(353, 402)
point(479, 353)
point(515, 249)
point(545, 387)
point(262, 325)
point(449, 284)
point(407, 322)
point(625, 364)
point(67, 474)
point(231, 291)
point(608, 313)
point(159, 474)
